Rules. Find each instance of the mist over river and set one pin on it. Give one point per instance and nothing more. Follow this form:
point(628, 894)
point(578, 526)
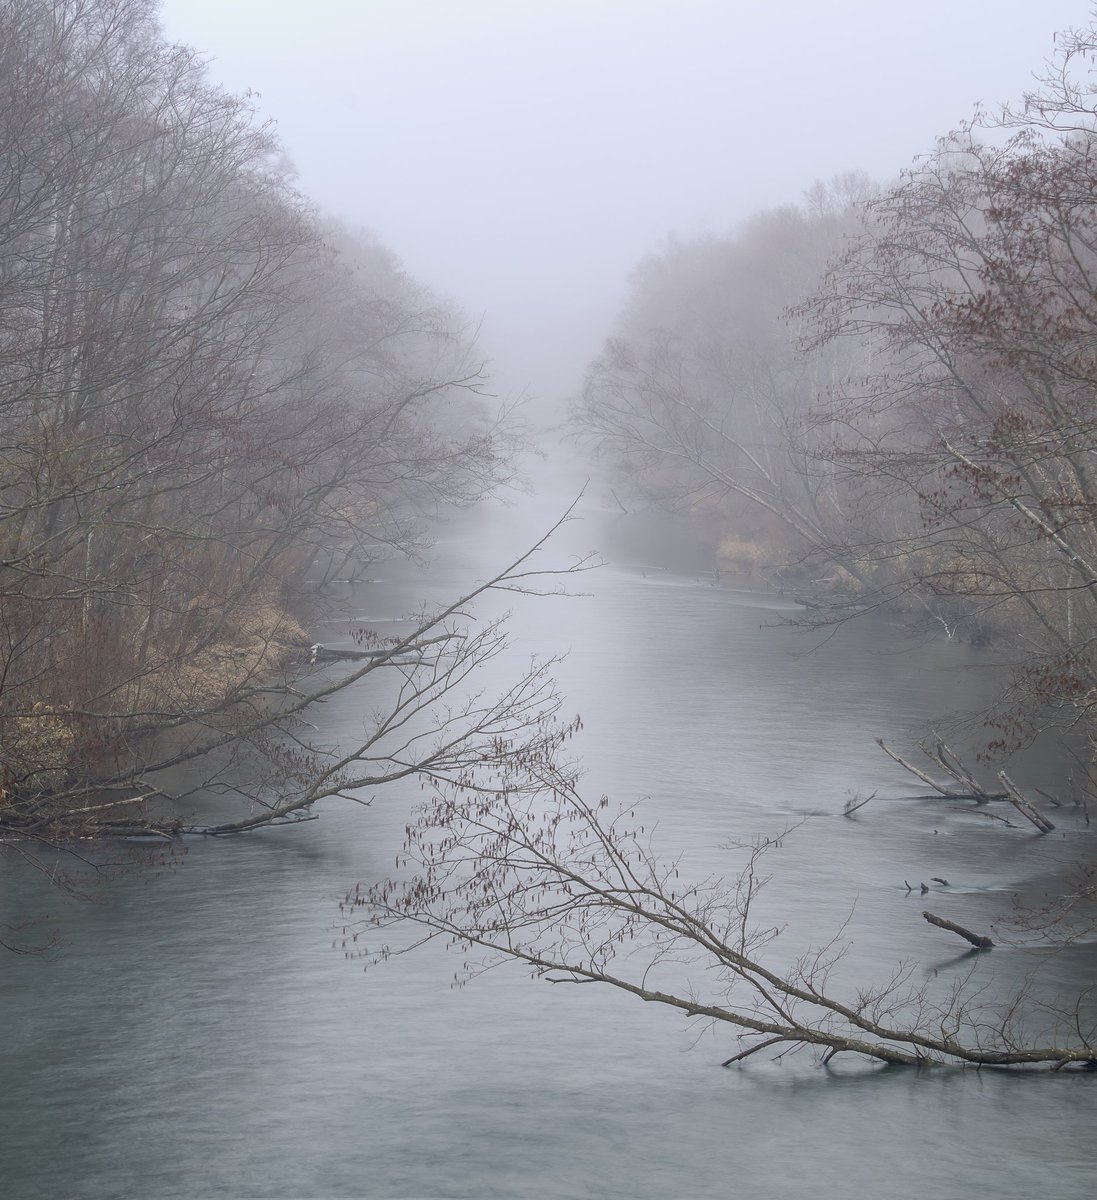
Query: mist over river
point(195, 1034)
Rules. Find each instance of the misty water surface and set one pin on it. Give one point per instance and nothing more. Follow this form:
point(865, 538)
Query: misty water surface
point(196, 1035)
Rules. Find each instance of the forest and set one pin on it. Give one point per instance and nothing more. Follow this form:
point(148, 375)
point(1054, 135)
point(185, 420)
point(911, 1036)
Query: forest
point(884, 395)
point(214, 401)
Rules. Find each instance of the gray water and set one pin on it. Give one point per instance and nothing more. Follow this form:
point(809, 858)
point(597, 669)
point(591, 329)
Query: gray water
point(195, 1035)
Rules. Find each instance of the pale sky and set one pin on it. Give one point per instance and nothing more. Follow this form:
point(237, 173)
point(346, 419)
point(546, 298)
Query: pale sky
point(522, 155)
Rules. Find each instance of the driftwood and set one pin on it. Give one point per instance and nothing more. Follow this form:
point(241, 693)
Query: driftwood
point(320, 653)
point(1025, 807)
point(167, 830)
point(964, 785)
point(979, 942)
point(324, 654)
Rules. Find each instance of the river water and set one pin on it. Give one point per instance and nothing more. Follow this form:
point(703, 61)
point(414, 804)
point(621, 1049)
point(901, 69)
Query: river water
point(194, 1034)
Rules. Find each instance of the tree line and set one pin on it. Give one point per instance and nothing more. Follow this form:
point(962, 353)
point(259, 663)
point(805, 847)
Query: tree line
point(883, 396)
point(212, 400)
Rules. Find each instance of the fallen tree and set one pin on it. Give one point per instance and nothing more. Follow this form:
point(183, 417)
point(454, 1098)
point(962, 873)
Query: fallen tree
point(516, 864)
point(963, 785)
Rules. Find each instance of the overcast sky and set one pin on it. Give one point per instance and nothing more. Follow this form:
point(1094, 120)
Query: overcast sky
point(522, 155)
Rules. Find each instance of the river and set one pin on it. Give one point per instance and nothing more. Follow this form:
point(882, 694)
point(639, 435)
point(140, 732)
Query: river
point(194, 1034)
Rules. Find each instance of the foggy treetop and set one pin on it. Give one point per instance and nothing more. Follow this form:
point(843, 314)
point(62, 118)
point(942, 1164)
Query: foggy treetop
point(522, 156)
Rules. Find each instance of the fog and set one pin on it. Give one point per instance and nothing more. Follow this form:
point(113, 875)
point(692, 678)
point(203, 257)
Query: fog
point(522, 155)
point(252, 633)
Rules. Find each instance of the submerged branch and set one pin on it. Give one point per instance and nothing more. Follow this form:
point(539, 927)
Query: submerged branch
point(977, 940)
point(964, 785)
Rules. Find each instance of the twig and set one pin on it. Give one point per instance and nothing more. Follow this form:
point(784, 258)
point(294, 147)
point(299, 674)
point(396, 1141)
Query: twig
point(851, 807)
point(1052, 800)
point(753, 1050)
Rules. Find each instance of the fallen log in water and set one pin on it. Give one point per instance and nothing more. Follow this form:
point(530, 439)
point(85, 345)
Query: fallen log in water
point(1026, 808)
point(321, 653)
point(977, 940)
point(964, 785)
point(326, 654)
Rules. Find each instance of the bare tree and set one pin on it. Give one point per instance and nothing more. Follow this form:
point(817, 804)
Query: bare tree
point(701, 398)
point(973, 290)
point(208, 399)
point(431, 720)
point(517, 865)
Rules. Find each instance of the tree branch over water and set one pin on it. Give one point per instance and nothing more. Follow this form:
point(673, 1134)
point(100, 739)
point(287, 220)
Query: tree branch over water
point(521, 866)
point(433, 723)
point(430, 719)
